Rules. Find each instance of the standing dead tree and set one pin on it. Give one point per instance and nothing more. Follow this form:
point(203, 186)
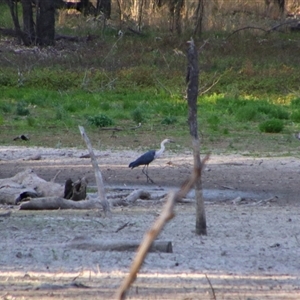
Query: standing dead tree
point(100, 185)
point(166, 215)
point(192, 79)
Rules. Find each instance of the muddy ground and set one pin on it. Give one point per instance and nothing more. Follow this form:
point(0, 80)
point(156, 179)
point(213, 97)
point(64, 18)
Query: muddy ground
point(251, 250)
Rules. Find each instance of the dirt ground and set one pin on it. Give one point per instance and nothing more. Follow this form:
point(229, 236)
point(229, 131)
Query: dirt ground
point(251, 250)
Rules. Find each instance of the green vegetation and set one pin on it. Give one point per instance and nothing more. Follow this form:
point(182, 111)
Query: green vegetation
point(250, 101)
point(271, 126)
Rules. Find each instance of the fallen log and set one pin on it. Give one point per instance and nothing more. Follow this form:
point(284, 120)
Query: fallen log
point(51, 203)
point(131, 198)
point(82, 243)
point(14, 189)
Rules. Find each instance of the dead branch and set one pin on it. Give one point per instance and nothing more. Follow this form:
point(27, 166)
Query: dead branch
point(131, 198)
point(262, 29)
point(52, 203)
point(27, 184)
point(98, 175)
point(204, 91)
point(137, 194)
point(120, 228)
point(211, 287)
point(32, 157)
point(55, 176)
point(50, 286)
point(245, 28)
point(166, 215)
point(83, 243)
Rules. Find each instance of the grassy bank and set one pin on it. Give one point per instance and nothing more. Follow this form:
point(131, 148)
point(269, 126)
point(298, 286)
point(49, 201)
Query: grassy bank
point(249, 98)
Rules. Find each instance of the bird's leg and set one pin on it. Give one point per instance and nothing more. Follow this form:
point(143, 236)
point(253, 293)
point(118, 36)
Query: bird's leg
point(146, 173)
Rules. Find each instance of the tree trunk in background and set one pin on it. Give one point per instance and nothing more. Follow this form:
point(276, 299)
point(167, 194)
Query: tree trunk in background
point(105, 7)
point(13, 7)
point(199, 17)
point(175, 7)
point(28, 24)
point(192, 79)
point(45, 26)
point(137, 11)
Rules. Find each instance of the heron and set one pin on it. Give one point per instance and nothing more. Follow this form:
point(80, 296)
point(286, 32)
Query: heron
point(148, 157)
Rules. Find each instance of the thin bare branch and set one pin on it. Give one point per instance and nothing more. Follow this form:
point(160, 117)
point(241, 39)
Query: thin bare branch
point(211, 287)
point(166, 215)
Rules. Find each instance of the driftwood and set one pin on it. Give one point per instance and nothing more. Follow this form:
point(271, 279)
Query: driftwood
point(32, 157)
point(84, 243)
point(131, 198)
point(50, 286)
point(75, 190)
point(51, 203)
point(24, 184)
point(166, 215)
point(98, 175)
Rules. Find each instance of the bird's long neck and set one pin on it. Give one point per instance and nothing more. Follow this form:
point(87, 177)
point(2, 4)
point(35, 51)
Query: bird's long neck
point(159, 152)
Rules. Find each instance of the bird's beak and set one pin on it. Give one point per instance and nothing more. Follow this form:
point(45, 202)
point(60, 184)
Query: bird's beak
point(171, 141)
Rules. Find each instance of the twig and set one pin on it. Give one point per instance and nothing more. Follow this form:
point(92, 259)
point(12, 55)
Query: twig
point(211, 287)
point(203, 45)
point(166, 215)
point(166, 89)
point(113, 46)
point(211, 86)
point(122, 227)
point(55, 176)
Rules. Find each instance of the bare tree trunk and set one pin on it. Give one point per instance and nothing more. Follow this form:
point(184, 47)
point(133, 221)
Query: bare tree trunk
point(192, 79)
point(199, 17)
point(45, 22)
point(105, 7)
point(137, 11)
point(13, 7)
point(175, 7)
point(28, 24)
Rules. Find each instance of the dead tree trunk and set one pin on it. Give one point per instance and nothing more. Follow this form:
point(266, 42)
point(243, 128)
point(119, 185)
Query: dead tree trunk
point(98, 175)
point(192, 80)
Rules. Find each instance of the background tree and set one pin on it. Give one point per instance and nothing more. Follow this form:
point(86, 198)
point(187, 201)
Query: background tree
point(41, 32)
point(192, 80)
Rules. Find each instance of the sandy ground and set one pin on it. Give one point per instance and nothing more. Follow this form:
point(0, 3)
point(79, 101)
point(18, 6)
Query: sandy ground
point(251, 250)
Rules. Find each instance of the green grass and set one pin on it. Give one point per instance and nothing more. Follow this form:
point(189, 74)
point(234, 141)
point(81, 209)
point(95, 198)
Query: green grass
point(124, 82)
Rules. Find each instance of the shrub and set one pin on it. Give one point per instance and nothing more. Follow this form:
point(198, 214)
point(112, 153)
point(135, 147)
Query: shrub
point(246, 113)
point(31, 121)
point(273, 111)
point(295, 116)
point(100, 120)
point(138, 115)
point(104, 106)
point(213, 122)
point(22, 110)
point(6, 107)
point(295, 102)
point(169, 120)
point(271, 126)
